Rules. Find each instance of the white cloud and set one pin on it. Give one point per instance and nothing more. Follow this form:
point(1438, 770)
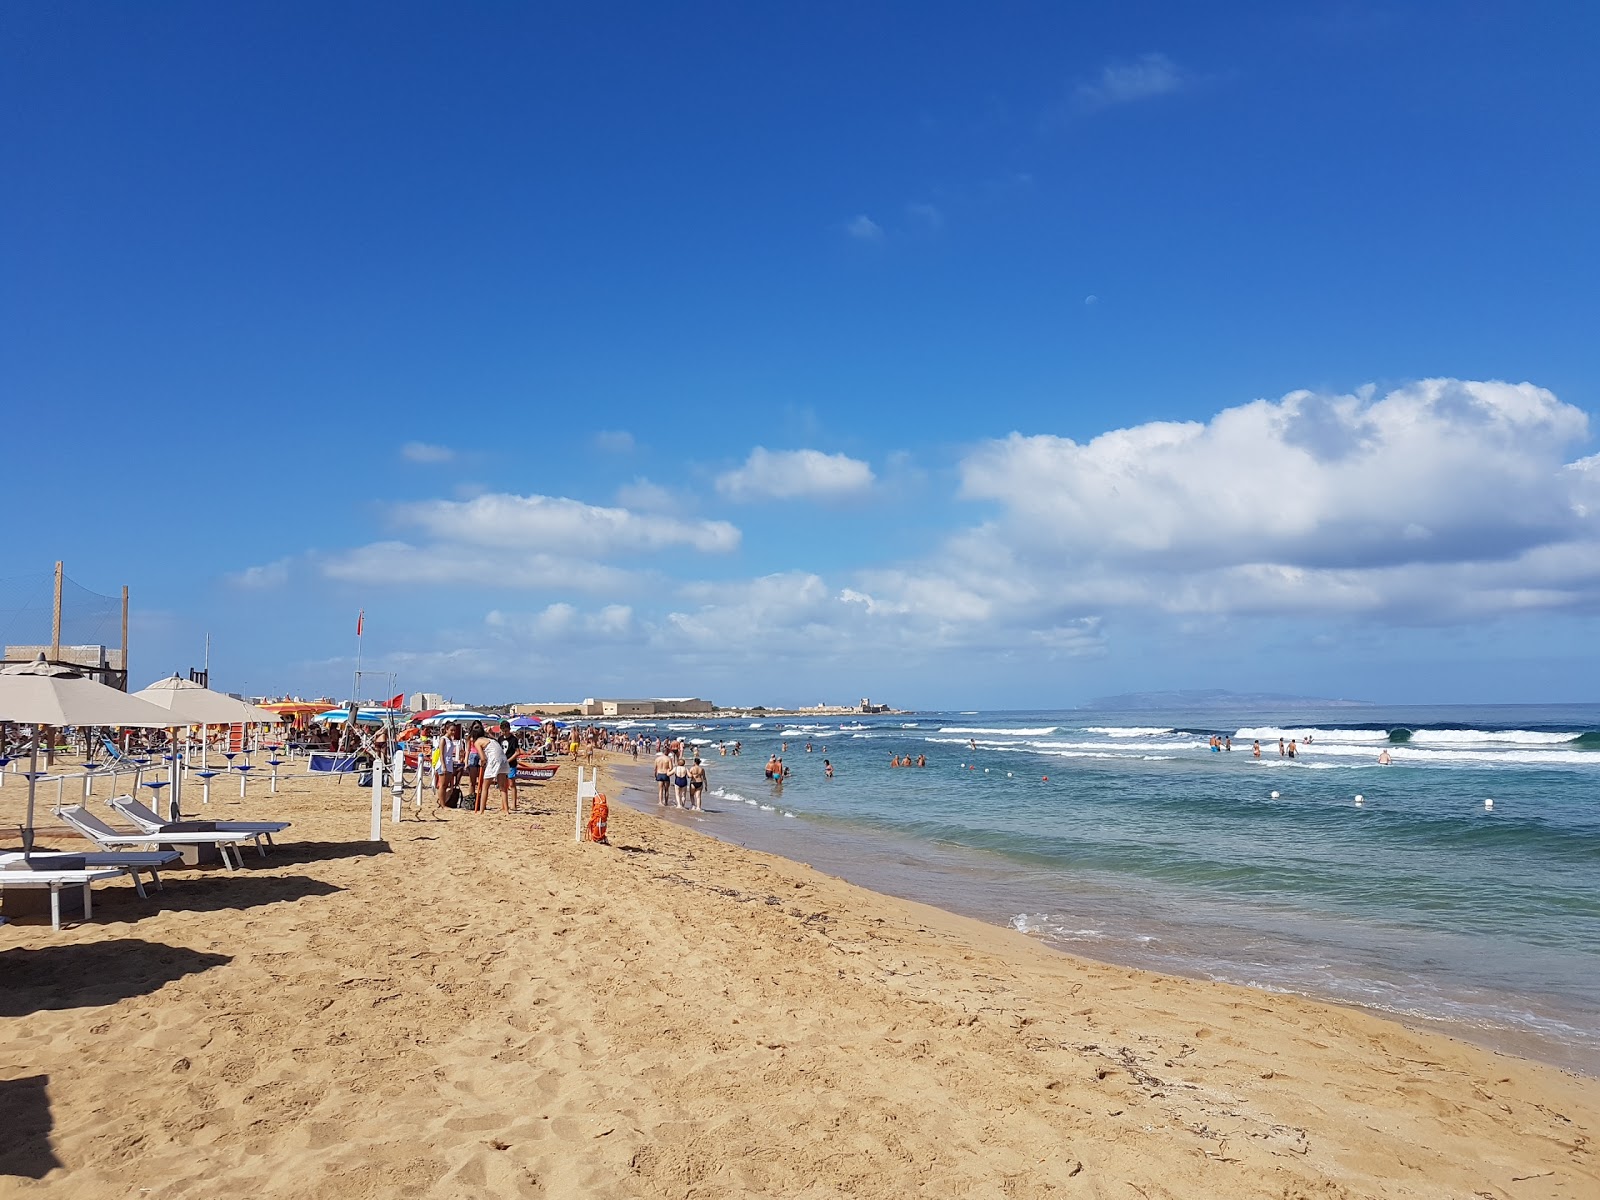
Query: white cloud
point(423, 452)
point(1124, 82)
point(553, 524)
point(561, 619)
point(459, 565)
point(1435, 498)
point(795, 474)
point(614, 441)
point(268, 575)
point(649, 497)
point(864, 228)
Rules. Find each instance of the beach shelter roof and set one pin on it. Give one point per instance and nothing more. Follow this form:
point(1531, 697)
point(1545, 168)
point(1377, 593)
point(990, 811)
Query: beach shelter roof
point(199, 705)
point(41, 693)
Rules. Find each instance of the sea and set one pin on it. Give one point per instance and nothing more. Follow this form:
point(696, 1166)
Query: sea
point(1457, 888)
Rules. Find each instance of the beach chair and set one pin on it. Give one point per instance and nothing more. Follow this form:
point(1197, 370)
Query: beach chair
point(173, 834)
point(149, 822)
point(131, 861)
point(56, 871)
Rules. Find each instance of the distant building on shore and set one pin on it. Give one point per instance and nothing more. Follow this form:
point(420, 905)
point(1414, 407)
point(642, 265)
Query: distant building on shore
point(549, 708)
point(675, 707)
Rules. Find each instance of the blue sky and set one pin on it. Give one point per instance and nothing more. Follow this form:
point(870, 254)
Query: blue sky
point(954, 355)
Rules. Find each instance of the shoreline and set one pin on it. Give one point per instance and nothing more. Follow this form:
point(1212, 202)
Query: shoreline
point(480, 1006)
point(866, 871)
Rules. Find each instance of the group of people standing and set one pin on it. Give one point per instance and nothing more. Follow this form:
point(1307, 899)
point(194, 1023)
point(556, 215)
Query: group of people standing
point(680, 783)
point(472, 764)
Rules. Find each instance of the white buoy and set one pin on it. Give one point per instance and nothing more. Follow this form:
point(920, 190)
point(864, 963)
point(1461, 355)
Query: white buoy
point(1008, 774)
point(1360, 800)
point(1488, 804)
point(1274, 795)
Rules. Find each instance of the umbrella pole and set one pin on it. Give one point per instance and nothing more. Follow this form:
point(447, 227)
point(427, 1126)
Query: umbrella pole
point(33, 782)
point(173, 774)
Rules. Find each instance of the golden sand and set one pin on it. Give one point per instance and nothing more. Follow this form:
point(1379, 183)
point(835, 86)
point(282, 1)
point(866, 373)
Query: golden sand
point(483, 1008)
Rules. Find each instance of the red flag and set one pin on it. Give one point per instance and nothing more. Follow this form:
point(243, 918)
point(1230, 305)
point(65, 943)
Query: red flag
point(397, 702)
point(360, 617)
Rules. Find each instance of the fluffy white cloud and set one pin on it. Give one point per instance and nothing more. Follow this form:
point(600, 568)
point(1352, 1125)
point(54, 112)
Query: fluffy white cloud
point(424, 452)
point(1439, 496)
point(795, 474)
point(1143, 78)
point(553, 524)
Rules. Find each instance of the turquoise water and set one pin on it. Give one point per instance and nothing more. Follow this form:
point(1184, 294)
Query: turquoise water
point(1124, 837)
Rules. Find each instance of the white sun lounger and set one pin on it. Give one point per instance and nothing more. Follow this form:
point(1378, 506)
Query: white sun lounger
point(18, 871)
point(131, 861)
point(107, 838)
point(149, 822)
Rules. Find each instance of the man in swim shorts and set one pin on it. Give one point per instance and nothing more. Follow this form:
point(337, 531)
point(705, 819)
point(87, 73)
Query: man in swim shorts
point(663, 775)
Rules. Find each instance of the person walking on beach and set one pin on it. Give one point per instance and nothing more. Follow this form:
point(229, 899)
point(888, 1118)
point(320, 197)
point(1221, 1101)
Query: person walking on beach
point(663, 775)
point(697, 785)
point(680, 783)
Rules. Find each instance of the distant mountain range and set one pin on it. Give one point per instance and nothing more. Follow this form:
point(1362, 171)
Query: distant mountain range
point(1215, 698)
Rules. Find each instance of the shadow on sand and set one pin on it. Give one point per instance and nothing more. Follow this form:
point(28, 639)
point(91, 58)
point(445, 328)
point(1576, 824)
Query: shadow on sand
point(25, 1149)
point(289, 853)
point(93, 973)
point(216, 892)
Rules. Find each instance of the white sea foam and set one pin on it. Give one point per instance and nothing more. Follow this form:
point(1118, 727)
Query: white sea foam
point(1048, 729)
point(1271, 733)
point(1127, 731)
point(1479, 737)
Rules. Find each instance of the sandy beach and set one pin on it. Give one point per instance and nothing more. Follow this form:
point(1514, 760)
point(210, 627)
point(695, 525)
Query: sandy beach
point(481, 1007)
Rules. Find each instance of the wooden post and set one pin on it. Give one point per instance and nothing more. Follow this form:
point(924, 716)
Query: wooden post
point(55, 623)
point(125, 641)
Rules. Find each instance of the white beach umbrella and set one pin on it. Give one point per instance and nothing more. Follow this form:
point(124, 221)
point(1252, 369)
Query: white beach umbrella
point(195, 704)
point(41, 693)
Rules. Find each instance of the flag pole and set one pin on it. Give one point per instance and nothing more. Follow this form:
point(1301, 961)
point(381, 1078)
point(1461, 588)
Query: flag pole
point(355, 690)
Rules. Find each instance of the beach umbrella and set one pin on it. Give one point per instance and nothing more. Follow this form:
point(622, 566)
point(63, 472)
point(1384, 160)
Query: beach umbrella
point(42, 693)
point(366, 716)
point(199, 705)
point(195, 704)
point(525, 722)
point(457, 714)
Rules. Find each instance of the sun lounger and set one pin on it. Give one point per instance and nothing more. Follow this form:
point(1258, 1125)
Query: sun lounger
point(149, 822)
point(107, 838)
point(132, 861)
point(56, 871)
